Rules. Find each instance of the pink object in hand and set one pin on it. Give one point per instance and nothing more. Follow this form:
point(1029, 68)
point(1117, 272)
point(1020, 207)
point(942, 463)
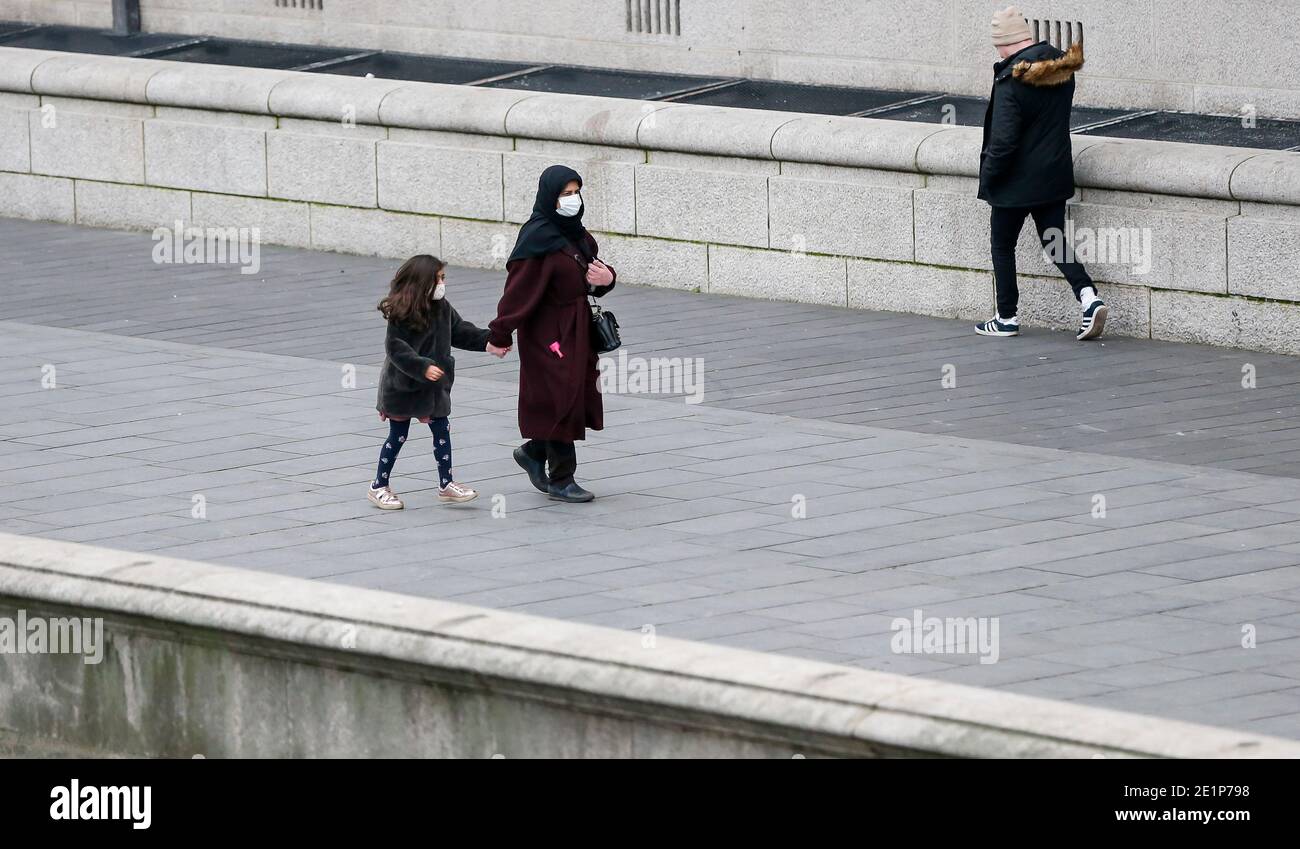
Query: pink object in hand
point(555, 346)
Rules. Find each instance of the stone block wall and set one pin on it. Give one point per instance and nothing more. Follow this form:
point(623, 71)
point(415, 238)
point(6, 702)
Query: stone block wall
point(849, 212)
point(1153, 55)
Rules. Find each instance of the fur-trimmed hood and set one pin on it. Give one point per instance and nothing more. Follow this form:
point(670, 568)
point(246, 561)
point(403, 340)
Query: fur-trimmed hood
point(1050, 72)
point(1030, 162)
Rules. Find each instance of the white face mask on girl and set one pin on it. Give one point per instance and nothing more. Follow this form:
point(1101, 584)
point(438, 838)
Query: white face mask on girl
point(570, 205)
point(439, 291)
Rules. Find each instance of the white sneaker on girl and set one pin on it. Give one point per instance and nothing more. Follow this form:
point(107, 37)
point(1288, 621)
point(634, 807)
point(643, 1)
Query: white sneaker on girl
point(456, 492)
point(384, 498)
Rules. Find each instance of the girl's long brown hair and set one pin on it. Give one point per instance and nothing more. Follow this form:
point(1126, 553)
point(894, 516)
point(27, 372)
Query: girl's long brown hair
point(410, 295)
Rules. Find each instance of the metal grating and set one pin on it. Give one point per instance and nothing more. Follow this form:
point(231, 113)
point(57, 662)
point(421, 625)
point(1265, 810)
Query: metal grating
point(969, 112)
point(1061, 34)
point(425, 69)
point(1089, 117)
point(310, 5)
point(1227, 130)
point(654, 17)
point(12, 28)
point(254, 54)
point(603, 82)
point(958, 110)
point(80, 40)
point(796, 97)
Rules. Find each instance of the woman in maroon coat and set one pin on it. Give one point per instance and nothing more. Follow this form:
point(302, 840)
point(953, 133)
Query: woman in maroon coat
point(549, 275)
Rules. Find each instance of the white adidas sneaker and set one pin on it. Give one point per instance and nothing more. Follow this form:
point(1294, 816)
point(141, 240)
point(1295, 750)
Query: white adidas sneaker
point(1094, 321)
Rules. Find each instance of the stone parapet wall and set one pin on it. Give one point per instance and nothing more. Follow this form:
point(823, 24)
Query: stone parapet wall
point(850, 212)
point(197, 659)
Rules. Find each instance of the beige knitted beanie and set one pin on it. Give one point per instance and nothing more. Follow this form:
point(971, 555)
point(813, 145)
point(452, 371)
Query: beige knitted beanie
point(1010, 27)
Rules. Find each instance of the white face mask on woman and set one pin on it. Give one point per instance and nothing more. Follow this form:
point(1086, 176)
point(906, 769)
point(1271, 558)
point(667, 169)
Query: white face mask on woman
point(570, 205)
point(439, 291)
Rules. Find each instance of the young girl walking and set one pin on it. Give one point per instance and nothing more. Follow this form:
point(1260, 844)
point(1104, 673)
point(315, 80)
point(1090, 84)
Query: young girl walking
point(418, 371)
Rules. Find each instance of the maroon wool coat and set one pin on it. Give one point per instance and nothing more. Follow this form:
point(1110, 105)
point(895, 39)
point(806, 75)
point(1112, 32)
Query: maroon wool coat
point(545, 300)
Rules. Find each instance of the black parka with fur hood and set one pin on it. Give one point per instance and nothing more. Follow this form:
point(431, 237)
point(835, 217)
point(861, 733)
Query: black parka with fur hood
point(1026, 158)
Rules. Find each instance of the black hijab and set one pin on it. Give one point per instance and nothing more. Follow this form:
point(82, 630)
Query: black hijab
point(547, 231)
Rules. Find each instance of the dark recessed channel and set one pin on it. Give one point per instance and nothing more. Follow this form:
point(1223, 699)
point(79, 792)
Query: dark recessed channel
point(252, 54)
point(800, 97)
point(81, 40)
point(603, 82)
point(927, 107)
point(424, 69)
point(1267, 133)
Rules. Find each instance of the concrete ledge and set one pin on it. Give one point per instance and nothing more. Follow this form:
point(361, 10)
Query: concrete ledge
point(226, 662)
point(1197, 170)
point(746, 133)
point(954, 151)
point(452, 108)
point(220, 87)
point(336, 97)
point(1108, 163)
point(590, 120)
point(1268, 178)
point(98, 77)
point(17, 64)
point(861, 142)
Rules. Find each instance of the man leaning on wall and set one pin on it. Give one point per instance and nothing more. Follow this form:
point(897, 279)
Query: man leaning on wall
point(1027, 166)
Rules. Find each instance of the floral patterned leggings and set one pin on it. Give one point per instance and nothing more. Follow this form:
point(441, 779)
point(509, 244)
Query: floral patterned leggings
point(397, 433)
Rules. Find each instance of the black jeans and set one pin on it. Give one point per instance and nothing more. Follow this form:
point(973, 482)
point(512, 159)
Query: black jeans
point(561, 458)
point(1050, 222)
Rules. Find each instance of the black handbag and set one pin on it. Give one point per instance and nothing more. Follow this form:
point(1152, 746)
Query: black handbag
point(604, 330)
point(604, 326)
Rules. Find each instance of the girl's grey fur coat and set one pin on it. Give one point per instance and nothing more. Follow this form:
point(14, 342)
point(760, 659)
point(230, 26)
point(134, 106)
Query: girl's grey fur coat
point(404, 391)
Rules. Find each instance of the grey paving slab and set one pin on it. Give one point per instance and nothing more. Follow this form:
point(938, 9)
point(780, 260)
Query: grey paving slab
point(975, 503)
point(1123, 387)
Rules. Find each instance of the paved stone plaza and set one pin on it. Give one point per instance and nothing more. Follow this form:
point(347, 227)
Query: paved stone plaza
point(184, 387)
